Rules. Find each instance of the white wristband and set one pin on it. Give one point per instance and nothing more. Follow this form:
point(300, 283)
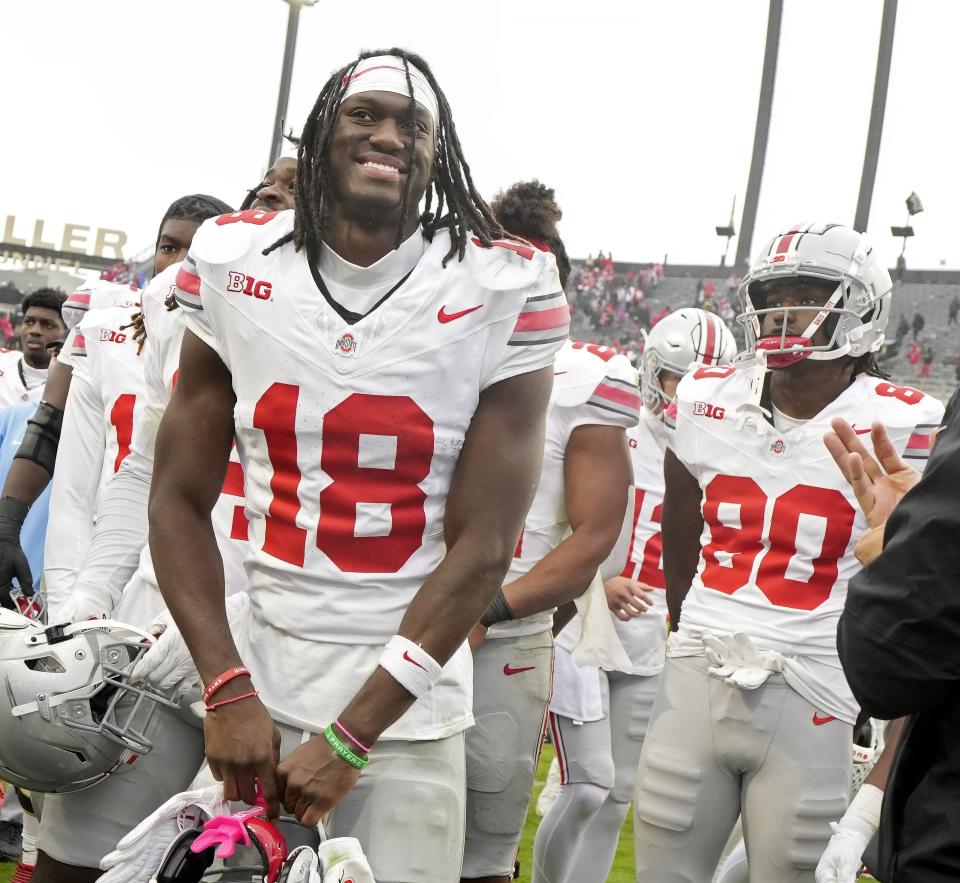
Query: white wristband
point(415, 669)
point(863, 814)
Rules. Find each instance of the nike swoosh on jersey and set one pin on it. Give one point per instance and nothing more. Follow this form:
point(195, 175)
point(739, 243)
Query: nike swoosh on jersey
point(860, 431)
point(819, 721)
point(443, 317)
point(509, 670)
point(408, 658)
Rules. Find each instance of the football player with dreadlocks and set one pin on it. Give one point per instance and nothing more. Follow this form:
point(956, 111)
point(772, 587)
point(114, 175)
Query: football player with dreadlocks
point(754, 715)
point(386, 373)
point(32, 469)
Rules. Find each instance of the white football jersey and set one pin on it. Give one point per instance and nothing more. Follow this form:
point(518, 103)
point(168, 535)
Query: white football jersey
point(592, 386)
point(161, 358)
point(97, 295)
point(13, 386)
point(104, 403)
point(644, 638)
point(780, 521)
point(349, 434)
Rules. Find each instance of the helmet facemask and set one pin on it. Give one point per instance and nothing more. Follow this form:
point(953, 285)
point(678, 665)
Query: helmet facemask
point(652, 393)
point(841, 315)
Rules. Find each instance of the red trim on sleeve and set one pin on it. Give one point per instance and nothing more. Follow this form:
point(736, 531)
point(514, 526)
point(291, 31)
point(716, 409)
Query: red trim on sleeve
point(558, 317)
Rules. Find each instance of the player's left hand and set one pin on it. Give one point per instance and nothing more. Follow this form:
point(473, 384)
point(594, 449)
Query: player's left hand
point(313, 780)
point(879, 482)
point(843, 857)
point(627, 598)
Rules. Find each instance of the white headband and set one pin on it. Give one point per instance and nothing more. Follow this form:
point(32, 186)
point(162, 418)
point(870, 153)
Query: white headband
point(385, 73)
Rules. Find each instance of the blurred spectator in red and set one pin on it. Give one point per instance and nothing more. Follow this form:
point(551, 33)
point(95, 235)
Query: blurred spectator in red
point(913, 354)
point(6, 329)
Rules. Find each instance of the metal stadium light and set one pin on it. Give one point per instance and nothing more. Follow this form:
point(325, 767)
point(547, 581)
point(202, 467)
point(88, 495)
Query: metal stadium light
point(914, 207)
point(289, 50)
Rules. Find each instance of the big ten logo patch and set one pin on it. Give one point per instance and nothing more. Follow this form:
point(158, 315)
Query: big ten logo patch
point(705, 409)
point(244, 284)
point(110, 336)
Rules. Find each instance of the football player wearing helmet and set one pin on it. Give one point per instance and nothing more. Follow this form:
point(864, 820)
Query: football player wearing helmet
point(32, 469)
point(598, 718)
point(753, 713)
point(386, 375)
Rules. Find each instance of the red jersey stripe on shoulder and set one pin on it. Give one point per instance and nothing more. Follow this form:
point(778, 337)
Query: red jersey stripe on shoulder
point(621, 396)
point(557, 317)
point(188, 282)
point(919, 440)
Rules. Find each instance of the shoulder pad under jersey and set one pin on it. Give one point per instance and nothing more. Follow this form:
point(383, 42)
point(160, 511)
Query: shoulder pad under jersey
point(580, 369)
point(507, 265)
point(229, 237)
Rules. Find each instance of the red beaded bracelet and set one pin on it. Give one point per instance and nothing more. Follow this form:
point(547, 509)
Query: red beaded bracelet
point(215, 705)
point(237, 671)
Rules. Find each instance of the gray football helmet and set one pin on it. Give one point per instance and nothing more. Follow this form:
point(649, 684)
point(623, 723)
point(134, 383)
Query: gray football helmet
point(69, 713)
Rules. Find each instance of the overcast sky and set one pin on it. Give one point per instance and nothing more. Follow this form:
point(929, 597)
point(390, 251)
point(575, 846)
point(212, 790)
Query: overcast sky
point(641, 115)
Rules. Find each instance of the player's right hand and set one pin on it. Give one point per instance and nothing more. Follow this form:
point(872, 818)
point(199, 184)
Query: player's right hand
point(627, 598)
point(879, 481)
point(13, 563)
point(243, 746)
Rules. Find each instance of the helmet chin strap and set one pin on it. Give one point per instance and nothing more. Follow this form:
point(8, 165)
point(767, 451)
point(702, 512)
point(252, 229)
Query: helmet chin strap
point(751, 412)
point(821, 317)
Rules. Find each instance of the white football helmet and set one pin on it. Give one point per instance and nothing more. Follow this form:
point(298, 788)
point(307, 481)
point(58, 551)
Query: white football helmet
point(677, 341)
point(855, 314)
point(69, 713)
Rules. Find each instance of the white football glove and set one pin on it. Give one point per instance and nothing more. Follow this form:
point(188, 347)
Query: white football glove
point(301, 866)
point(735, 659)
point(342, 859)
point(138, 855)
point(83, 602)
point(168, 663)
point(841, 860)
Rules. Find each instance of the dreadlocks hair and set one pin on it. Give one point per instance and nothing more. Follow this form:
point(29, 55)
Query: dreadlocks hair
point(867, 364)
point(451, 184)
point(529, 209)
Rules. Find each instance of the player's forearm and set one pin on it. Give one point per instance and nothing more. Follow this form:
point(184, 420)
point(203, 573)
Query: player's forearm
point(119, 537)
point(26, 481)
point(438, 619)
point(563, 574)
point(190, 575)
point(881, 771)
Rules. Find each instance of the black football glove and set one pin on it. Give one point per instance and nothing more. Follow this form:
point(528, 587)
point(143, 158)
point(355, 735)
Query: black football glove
point(13, 563)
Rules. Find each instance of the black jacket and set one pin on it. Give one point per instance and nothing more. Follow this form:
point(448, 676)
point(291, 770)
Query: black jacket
point(899, 642)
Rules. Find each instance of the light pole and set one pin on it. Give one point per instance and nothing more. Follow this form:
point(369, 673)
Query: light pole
point(289, 50)
point(728, 232)
point(914, 207)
